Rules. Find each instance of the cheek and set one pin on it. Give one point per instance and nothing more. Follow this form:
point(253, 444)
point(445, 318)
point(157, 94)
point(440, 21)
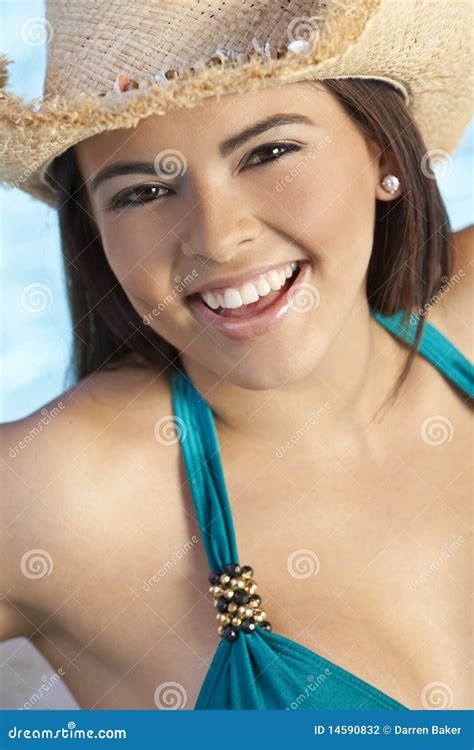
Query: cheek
point(131, 246)
point(327, 203)
point(135, 248)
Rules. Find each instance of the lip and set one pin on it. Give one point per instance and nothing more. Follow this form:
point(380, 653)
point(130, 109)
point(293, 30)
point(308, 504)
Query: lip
point(250, 326)
point(238, 281)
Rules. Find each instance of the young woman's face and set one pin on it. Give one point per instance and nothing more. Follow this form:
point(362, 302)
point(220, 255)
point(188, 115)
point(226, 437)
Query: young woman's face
point(205, 206)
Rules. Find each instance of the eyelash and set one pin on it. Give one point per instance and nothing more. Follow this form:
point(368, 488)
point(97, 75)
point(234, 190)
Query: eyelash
point(122, 199)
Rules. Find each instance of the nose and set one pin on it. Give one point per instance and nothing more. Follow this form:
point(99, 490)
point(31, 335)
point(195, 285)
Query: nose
point(219, 227)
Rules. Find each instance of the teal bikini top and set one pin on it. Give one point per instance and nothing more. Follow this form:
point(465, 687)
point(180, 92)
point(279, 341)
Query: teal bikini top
point(253, 667)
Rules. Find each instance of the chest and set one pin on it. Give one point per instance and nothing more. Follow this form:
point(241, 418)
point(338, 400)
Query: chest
point(365, 563)
point(369, 563)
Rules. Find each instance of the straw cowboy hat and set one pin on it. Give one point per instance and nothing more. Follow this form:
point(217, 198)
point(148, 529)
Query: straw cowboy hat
point(112, 63)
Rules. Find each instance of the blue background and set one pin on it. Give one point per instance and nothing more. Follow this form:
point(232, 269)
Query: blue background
point(35, 347)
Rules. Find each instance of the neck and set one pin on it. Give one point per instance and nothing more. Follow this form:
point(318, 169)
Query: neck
point(335, 403)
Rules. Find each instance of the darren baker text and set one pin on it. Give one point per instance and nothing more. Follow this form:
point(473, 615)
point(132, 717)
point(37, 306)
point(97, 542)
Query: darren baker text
point(434, 729)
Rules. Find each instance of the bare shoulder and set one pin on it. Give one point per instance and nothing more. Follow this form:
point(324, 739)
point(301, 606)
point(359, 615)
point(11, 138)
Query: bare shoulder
point(452, 312)
point(60, 468)
point(103, 413)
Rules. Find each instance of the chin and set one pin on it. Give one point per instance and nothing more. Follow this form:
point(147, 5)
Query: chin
point(268, 369)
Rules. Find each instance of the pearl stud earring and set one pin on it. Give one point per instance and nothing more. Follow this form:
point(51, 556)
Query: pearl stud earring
point(390, 183)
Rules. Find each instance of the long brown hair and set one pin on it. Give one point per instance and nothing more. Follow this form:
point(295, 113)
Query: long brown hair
point(411, 248)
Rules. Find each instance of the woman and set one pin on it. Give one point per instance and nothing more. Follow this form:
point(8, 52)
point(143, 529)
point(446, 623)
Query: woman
point(342, 492)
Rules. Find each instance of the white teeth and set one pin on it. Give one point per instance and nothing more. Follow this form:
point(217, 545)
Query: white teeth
point(250, 291)
point(263, 287)
point(274, 279)
point(232, 298)
point(211, 300)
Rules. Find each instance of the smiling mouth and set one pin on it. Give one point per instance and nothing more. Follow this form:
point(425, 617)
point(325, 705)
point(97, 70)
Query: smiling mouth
point(252, 308)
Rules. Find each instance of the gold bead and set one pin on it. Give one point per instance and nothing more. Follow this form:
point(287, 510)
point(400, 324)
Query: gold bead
point(234, 614)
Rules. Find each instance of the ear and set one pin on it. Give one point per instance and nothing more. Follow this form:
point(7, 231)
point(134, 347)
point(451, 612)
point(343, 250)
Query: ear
point(387, 166)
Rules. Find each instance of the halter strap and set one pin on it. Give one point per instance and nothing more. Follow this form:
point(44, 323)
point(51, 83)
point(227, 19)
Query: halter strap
point(434, 347)
point(200, 446)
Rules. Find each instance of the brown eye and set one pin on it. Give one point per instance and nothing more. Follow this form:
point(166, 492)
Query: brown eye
point(137, 196)
point(272, 151)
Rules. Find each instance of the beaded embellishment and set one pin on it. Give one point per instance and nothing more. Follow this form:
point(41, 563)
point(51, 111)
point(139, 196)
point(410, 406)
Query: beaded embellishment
point(123, 84)
point(237, 602)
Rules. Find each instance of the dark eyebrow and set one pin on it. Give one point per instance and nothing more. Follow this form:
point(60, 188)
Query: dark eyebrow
point(127, 167)
point(260, 127)
point(225, 148)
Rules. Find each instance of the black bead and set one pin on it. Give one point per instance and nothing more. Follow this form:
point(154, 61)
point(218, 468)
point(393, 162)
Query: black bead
point(265, 625)
point(214, 578)
point(240, 597)
point(247, 569)
point(221, 604)
point(248, 626)
point(233, 569)
point(229, 633)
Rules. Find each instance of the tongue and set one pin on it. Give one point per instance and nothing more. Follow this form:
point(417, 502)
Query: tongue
point(254, 307)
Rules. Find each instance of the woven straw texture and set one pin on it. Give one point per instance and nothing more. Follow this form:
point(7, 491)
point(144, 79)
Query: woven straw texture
point(421, 46)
